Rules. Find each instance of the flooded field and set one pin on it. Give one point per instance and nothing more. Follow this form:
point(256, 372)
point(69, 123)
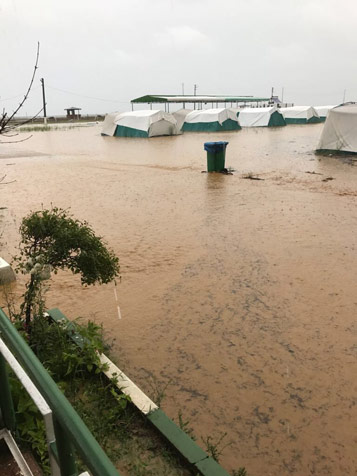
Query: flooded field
point(240, 294)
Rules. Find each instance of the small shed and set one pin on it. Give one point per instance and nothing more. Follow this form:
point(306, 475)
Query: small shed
point(73, 112)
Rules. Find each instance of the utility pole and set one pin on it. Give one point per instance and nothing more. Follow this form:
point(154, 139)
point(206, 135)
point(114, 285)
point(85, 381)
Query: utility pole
point(195, 89)
point(282, 94)
point(44, 101)
point(183, 89)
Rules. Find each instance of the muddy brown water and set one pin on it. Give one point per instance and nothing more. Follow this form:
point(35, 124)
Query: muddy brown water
point(241, 294)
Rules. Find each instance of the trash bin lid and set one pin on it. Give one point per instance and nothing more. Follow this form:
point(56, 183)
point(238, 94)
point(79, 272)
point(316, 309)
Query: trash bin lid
point(215, 146)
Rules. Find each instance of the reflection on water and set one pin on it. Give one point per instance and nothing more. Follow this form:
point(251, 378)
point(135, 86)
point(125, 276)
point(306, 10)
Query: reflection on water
point(239, 292)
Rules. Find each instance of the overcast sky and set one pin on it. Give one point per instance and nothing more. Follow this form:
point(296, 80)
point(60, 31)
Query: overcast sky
point(98, 55)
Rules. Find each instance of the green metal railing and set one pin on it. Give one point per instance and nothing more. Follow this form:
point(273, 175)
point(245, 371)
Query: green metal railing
point(70, 431)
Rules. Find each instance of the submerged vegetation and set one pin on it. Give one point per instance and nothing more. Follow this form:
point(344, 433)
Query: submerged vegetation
point(53, 127)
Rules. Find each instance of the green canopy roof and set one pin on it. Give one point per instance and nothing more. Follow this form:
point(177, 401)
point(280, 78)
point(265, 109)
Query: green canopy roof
point(202, 99)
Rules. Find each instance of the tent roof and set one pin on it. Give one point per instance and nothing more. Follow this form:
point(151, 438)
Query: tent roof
point(140, 113)
point(299, 112)
point(172, 98)
point(347, 108)
point(142, 120)
point(323, 110)
point(340, 129)
point(257, 110)
point(211, 115)
point(324, 107)
point(256, 116)
point(296, 108)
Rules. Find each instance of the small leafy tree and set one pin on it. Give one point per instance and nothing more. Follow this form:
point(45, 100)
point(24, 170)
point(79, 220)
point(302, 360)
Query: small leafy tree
point(52, 240)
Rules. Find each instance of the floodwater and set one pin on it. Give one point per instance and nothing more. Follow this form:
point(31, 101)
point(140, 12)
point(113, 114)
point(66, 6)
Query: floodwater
point(240, 294)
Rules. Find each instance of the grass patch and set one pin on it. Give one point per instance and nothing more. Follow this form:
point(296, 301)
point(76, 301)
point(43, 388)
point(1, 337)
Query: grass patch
point(49, 128)
point(129, 440)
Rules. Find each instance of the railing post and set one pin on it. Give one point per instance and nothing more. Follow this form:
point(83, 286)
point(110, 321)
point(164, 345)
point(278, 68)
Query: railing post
point(76, 431)
point(6, 403)
point(66, 458)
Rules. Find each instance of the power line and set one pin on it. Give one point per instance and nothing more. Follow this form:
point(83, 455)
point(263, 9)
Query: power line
point(18, 95)
point(88, 97)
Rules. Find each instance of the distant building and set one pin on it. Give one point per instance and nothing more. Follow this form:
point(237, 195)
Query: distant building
point(73, 112)
point(275, 100)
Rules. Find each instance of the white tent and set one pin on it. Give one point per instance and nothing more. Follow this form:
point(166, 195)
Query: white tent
point(180, 117)
point(260, 117)
point(109, 126)
point(340, 129)
point(145, 123)
point(211, 120)
point(300, 114)
point(322, 111)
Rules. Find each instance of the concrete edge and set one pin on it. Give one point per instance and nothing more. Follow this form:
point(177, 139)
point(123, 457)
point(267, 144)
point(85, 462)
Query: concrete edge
point(125, 385)
point(7, 274)
point(180, 440)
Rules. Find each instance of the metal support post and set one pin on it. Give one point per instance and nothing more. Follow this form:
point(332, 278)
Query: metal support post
point(66, 455)
point(6, 403)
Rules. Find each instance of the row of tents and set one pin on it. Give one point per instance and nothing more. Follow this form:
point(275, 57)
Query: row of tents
point(150, 123)
point(339, 133)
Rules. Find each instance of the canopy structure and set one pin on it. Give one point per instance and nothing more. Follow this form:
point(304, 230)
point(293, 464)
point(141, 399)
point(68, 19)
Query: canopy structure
point(322, 111)
point(211, 120)
point(146, 123)
point(260, 117)
point(300, 115)
point(198, 100)
point(340, 130)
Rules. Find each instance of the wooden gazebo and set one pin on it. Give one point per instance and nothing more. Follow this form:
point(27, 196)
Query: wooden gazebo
point(73, 112)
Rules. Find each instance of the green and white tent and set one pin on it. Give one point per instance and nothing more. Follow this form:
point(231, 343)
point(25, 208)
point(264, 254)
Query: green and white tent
point(260, 117)
point(145, 123)
point(340, 130)
point(322, 111)
point(211, 120)
point(109, 126)
point(180, 117)
point(300, 115)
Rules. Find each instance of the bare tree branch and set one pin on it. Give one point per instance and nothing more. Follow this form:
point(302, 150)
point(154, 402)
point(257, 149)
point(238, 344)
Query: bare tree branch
point(4, 118)
point(15, 141)
point(19, 124)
